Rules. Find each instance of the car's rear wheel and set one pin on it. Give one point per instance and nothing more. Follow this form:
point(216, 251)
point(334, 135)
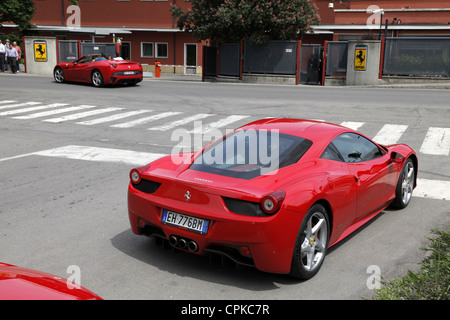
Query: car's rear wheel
point(97, 78)
point(311, 244)
point(405, 186)
point(58, 75)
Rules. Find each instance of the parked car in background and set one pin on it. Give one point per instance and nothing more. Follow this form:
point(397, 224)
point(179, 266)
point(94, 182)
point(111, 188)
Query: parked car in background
point(99, 70)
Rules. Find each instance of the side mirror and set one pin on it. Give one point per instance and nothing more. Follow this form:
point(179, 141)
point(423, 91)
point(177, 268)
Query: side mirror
point(397, 157)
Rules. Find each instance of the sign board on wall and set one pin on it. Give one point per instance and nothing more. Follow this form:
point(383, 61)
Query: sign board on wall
point(360, 58)
point(40, 50)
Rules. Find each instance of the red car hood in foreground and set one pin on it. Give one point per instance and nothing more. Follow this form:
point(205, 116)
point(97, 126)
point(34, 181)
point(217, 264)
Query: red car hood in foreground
point(25, 284)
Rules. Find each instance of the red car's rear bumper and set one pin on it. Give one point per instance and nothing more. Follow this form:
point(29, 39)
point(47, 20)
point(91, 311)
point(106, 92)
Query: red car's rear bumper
point(270, 240)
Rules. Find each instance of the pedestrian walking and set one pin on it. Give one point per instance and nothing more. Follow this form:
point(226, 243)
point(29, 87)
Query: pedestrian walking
point(2, 56)
point(19, 55)
point(6, 58)
point(12, 56)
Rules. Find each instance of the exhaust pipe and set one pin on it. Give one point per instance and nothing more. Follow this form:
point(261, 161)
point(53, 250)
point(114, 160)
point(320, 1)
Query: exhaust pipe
point(182, 243)
point(192, 246)
point(173, 240)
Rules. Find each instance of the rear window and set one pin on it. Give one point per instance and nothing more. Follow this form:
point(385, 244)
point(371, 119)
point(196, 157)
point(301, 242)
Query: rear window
point(247, 154)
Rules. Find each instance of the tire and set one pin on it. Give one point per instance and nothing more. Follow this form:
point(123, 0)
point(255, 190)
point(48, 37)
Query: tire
point(312, 243)
point(97, 78)
point(58, 75)
point(405, 186)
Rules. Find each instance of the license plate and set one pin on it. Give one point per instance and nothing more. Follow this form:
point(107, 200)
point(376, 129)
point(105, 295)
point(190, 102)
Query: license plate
point(184, 221)
point(128, 73)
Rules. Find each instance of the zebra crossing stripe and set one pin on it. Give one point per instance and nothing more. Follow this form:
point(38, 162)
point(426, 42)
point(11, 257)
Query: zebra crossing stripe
point(16, 105)
point(113, 117)
point(80, 115)
point(101, 154)
point(53, 112)
point(352, 125)
point(437, 142)
point(181, 122)
point(390, 134)
point(145, 120)
point(218, 124)
point(31, 109)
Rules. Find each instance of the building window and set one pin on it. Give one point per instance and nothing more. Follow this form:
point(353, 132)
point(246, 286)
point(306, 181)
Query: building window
point(162, 50)
point(147, 49)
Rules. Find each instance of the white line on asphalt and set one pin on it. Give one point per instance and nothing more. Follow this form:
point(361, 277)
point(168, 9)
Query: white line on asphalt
point(7, 101)
point(101, 154)
point(31, 109)
point(390, 134)
point(80, 115)
point(52, 112)
point(113, 117)
point(434, 189)
point(181, 122)
point(352, 125)
point(145, 120)
point(15, 105)
point(437, 142)
point(218, 124)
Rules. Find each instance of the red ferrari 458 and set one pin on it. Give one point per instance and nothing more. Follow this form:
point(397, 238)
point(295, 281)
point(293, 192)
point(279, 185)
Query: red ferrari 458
point(99, 70)
point(274, 194)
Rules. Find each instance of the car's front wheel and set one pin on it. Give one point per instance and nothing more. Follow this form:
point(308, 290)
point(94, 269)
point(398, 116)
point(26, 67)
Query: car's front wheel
point(311, 244)
point(97, 78)
point(405, 186)
point(58, 74)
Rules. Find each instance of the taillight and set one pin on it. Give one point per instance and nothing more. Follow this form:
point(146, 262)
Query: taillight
point(271, 203)
point(114, 65)
point(135, 174)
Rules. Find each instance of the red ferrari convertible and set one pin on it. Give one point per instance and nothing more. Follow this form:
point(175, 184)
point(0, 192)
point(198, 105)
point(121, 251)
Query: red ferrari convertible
point(99, 70)
point(274, 194)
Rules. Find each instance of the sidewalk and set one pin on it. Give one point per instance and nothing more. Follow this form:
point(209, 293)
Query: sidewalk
point(149, 76)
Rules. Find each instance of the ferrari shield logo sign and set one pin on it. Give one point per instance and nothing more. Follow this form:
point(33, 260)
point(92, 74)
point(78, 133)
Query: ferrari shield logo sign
point(360, 58)
point(40, 50)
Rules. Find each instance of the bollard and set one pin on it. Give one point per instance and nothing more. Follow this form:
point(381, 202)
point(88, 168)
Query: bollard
point(157, 70)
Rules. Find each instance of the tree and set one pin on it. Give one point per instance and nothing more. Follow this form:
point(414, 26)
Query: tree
point(19, 12)
point(256, 20)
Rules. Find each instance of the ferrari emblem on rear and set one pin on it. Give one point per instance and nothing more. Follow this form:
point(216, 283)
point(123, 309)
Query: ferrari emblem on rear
point(187, 196)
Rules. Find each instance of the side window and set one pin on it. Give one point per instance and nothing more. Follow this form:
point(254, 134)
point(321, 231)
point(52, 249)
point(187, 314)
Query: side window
point(356, 148)
point(331, 153)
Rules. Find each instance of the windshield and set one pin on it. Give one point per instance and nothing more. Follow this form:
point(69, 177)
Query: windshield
point(247, 154)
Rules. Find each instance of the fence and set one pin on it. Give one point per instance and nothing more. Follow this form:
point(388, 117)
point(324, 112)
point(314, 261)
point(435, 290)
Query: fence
point(67, 50)
point(274, 57)
point(417, 57)
point(336, 64)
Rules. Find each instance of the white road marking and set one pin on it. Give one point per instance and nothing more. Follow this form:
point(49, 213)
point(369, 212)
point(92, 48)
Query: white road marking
point(53, 112)
point(32, 109)
point(437, 142)
point(145, 120)
point(434, 189)
point(16, 105)
point(113, 117)
point(7, 101)
point(218, 124)
point(101, 154)
point(80, 115)
point(390, 134)
point(181, 122)
point(352, 125)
